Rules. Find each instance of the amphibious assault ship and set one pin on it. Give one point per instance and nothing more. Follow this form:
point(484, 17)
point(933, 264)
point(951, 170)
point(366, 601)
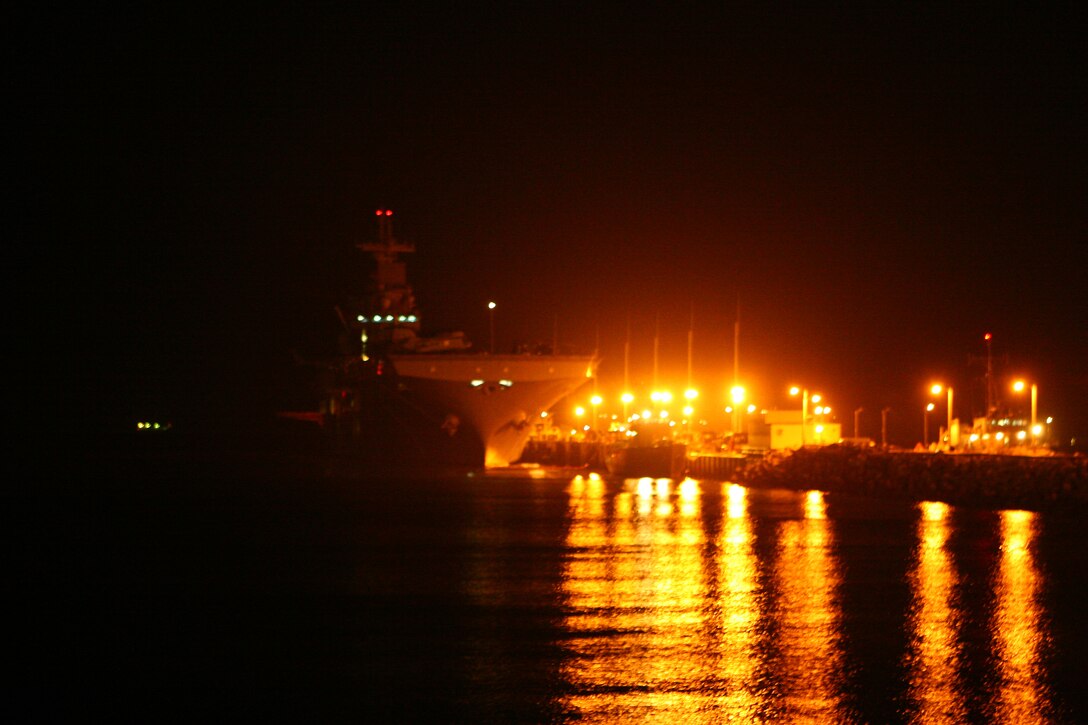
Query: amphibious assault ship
point(401, 395)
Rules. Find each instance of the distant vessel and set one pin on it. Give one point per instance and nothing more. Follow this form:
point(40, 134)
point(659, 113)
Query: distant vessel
point(401, 395)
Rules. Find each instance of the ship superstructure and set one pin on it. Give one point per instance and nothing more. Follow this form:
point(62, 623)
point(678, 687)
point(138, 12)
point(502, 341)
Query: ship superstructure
point(433, 396)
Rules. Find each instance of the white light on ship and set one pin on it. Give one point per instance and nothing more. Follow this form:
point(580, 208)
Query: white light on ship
point(1036, 430)
point(389, 318)
point(360, 318)
point(476, 383)
point(377, 318)
point(411, 318)
point(506, 383)
point(1021, 435)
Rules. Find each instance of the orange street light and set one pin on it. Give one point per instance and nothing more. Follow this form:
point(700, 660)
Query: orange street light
point(1018, 386)
point(491, 324)
point(804, 409)
point(925, 424)
point(936, 389)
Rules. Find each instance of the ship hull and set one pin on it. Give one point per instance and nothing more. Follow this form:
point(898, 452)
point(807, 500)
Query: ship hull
point(486, 403)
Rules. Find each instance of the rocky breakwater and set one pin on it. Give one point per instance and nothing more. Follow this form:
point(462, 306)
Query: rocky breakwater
point(991, 481)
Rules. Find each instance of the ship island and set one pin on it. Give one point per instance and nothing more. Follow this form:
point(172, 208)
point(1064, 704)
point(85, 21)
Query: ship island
point(398, 396)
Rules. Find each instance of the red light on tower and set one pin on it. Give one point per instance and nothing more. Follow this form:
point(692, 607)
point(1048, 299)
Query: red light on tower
point(987, 337)
point(378, 212)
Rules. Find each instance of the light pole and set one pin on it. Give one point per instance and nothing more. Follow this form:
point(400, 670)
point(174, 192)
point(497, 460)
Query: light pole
point(736, 394)
point(1018, 386)
point(925, 424)
point(857, 417)
point(595, 401)
point(884, 428)
point(936, 389)
point(804, 409)
point(491, 324)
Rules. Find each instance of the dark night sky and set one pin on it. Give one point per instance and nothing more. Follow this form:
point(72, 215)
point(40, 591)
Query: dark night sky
point(881, 184)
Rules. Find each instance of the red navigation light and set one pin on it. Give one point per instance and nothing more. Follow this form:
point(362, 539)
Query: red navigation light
point(987, 336)
point(378, 213)
point(389, 212)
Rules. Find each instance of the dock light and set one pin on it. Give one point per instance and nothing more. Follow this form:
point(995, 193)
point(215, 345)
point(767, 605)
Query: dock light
point(1018, 387)
point(819, 410)
point(816, 398)
point(664, 414)
point(688, 410)
point(736, 394)
point(579, 411)
point(1021, 435)
point(596, 400)
point(543, 414)
point(666, 397)
point(729, 409)
point(827, 410)
point(627, 398)
point(937, 389)
point(691, 393)
point(930, 407)
point(804, 408)
point(647, 414)
point(655, 396)
point(1036, 430)
point(1000, 436)
point(751, 408)
point(1049, 420)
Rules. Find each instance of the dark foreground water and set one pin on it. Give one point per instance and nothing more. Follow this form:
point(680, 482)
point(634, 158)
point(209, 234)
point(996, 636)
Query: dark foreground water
point(499, 598)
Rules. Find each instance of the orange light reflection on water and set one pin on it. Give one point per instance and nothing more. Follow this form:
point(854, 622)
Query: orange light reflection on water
point(1017, 624)
point(636, 590)
point(808, 617)
point(935, 622)
point(739, 612)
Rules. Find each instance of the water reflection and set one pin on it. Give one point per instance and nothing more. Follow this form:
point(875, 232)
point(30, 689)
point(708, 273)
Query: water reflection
point(636, 592)
point(1017, 624)
point(935, 623)
point(663, 619)
point(807, 617)
point(739, 612)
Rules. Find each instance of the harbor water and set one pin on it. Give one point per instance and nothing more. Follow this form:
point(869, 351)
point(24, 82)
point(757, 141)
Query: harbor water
point(540, 596)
